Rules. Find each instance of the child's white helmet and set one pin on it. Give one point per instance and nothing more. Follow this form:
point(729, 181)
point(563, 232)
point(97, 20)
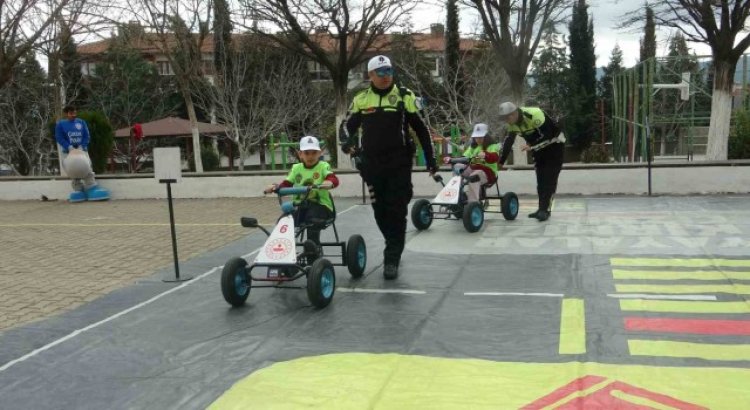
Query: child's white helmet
point(507, 108)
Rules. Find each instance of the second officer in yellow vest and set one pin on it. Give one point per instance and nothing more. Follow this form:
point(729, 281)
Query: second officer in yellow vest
point(540, 133)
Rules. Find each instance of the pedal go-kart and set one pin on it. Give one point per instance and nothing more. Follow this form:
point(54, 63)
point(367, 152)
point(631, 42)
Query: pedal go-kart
point(452, 202)
point(280, 261)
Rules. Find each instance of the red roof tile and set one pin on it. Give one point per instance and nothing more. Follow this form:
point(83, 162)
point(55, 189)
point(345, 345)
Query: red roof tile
point(172, 127)
point(147, 43)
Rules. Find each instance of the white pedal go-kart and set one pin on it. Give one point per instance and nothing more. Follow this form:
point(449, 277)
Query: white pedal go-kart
point(452, 203)
point(281, 261)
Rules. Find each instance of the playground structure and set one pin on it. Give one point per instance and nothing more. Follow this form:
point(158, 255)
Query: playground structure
point(667, 100)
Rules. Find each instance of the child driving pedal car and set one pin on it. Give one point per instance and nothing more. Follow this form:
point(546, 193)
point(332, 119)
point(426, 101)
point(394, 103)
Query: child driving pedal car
point(315, 207)
point(481, 169)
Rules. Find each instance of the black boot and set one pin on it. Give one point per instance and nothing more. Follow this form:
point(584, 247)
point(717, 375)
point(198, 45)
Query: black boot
point(534, 214)
point(312, 251)
point(390, 271)
point(542, 215)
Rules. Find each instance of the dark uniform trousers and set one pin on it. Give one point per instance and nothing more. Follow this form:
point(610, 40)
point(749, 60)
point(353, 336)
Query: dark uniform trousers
point(314, 215)
point(548, 162)
point(390, 192)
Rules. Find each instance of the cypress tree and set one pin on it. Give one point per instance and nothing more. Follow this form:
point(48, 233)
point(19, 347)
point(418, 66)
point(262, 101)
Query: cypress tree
point(222, 40)
point(580, 119)
point(453, 70)
point(648, 42)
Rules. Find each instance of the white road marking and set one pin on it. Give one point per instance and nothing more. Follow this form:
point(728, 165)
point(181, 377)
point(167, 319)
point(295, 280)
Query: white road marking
point(548, 295)
point(370, 290)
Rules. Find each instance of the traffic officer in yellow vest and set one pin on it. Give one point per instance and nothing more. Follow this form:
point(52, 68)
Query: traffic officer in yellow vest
point(547, 147)
point(383, 113)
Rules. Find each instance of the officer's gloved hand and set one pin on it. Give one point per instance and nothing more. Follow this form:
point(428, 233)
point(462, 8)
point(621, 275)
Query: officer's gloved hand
point(432, 169)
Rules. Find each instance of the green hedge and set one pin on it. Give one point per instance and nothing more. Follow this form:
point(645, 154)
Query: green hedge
point(596, 153)
point(102, 138)
point(739, 137)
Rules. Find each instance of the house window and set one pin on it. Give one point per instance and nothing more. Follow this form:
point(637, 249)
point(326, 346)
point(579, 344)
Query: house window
point(437, 72)
point(87, 68)
point(207, 65)
point(164, 68)
point(318, 72)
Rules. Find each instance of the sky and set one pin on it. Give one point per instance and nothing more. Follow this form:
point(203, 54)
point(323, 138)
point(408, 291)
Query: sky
point(606, 14)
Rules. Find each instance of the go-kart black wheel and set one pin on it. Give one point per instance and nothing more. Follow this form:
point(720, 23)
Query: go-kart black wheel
point(235, 282)
point(473, 216)
point(421, 214)
point(321, 283)
point(509, 206)
point(356, 255)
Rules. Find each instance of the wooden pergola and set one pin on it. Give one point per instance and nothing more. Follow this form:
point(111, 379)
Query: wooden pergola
point(173, 127)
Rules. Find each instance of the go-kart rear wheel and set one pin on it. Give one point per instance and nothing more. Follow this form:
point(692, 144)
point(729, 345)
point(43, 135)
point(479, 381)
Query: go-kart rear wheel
point(321, 283)
point(356, 255)
point(235, 282)
point(509, 206)
point(473, 216)
point(421, 214)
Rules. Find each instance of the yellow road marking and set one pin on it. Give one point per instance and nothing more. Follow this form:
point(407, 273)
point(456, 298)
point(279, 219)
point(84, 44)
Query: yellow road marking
point(676, 275)
point(390, 381)
point(692, 289)
point(644, 305)
point(692, 263)
point(572, 327)
point(706, 351)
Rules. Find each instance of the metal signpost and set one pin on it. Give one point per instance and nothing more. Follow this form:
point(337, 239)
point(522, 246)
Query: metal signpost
point(168, 170)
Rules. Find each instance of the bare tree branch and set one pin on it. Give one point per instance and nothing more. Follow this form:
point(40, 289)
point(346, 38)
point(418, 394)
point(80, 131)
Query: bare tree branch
point(514, 28)
point(337, 34)
point(22, 25)
point(179, 30)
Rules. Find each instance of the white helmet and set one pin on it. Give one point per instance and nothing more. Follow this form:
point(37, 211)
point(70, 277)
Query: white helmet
point(507, 108)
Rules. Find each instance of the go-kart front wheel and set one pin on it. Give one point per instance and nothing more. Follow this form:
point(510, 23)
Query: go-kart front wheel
point(509, 206)
point(473, 216)
point(321, 283)
point(421, 214)
point(356, 255)
point(235, 282)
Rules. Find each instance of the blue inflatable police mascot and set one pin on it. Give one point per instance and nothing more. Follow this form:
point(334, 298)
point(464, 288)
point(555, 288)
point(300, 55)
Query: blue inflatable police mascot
point(73, 136)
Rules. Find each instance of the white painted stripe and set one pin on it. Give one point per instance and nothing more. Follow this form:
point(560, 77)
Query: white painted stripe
point(397, 291)
point(77, 332)
point(665, 297)
point(548, 295)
